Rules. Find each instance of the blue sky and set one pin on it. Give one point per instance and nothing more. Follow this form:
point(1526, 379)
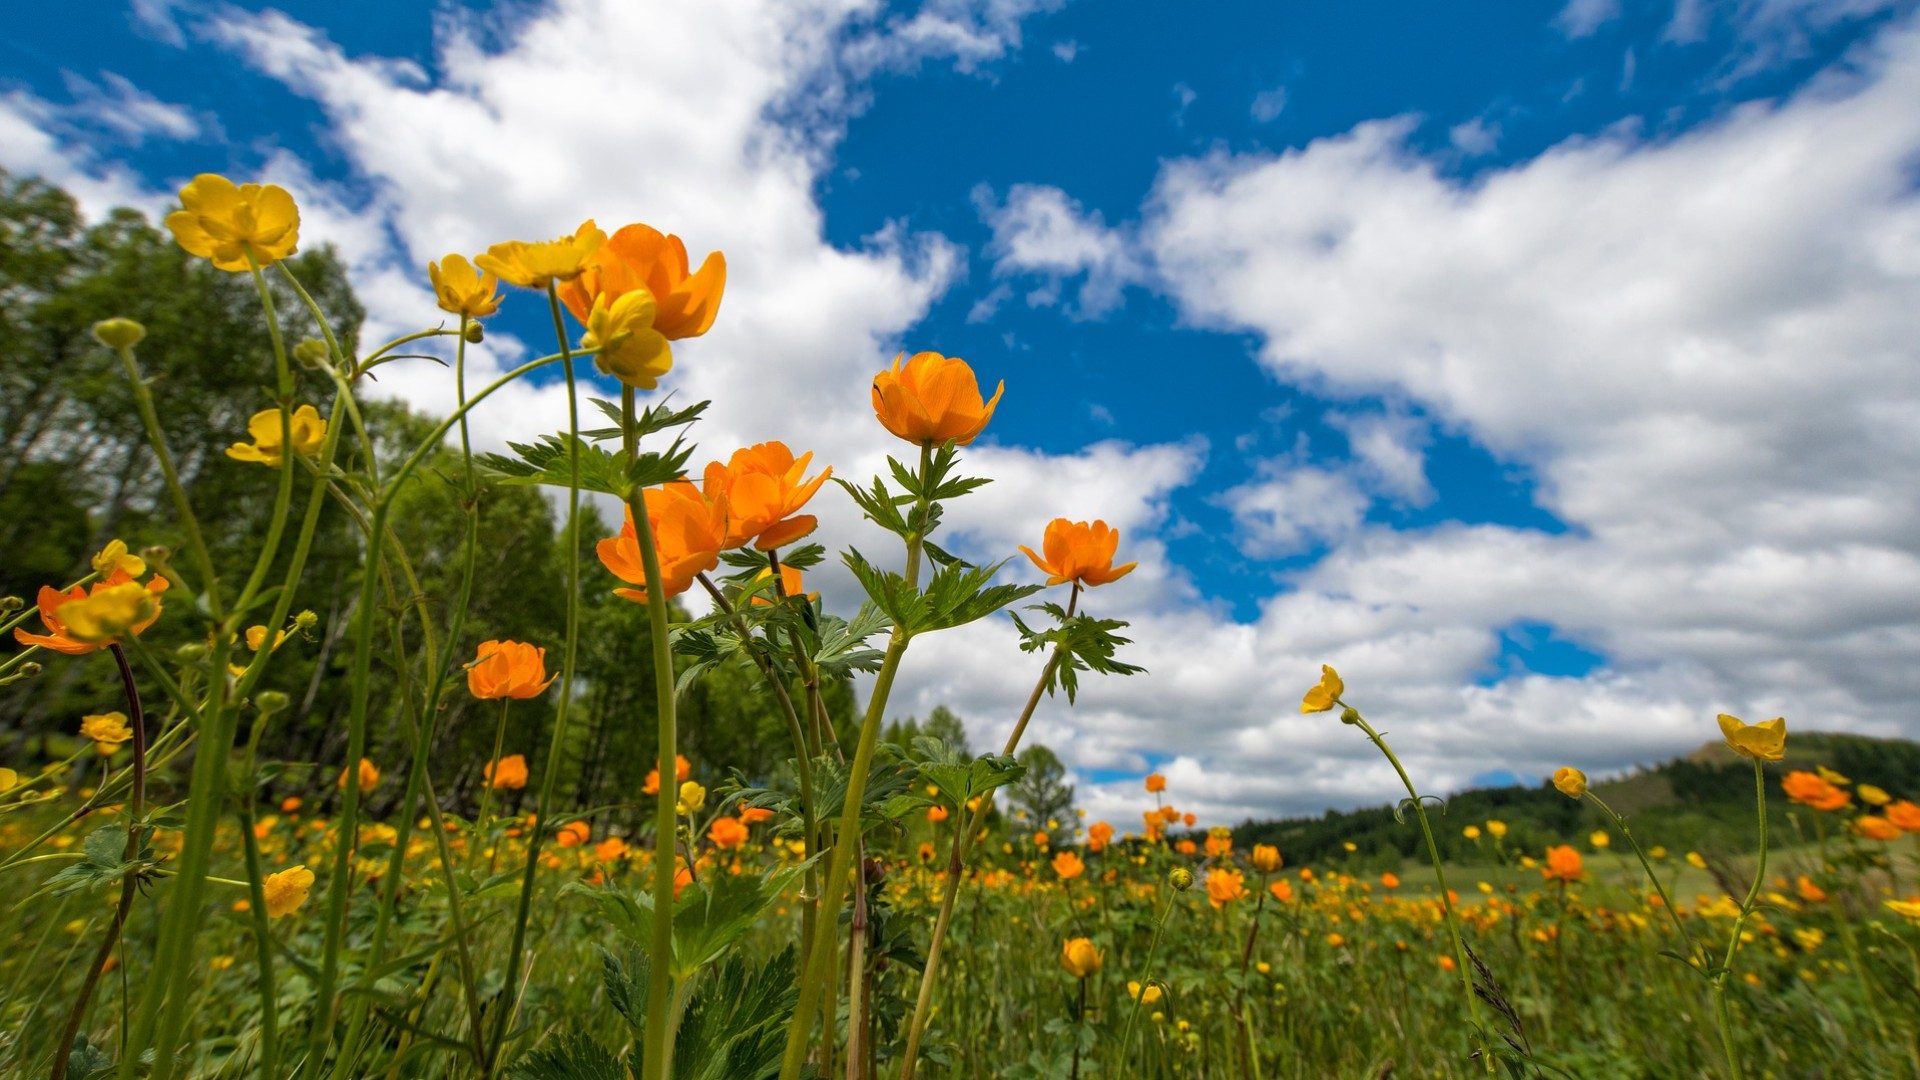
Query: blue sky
point(1445, 342)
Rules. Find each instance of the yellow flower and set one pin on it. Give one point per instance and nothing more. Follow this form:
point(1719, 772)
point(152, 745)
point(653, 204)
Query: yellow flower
point(115, 556)
point(1907, 908)
point(537, 265)
point(1600, 839)
point(1079, 957)
point(236, 226)
point(1497, 829)
point(1831, 776)
point(106, 730)
point(625, 344)
point(306, 427)
point(286, 890)
point(1471, 832)
point(692, 798)
point(369, 777)
point(1148, 994)
point(1570, 781)
point(1696, 860)
point(1765, 741)
point(1324, 696)
point(462, 290)
point(8, 779)
point(109, 614)
point(1266, 858)
point(1873, 795)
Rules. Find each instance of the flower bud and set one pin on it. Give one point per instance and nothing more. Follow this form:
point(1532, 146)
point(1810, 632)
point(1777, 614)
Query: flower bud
point(118, 333)
point(305, 620)
point(10, 604)
point(311, 352)
point(1570, 781)
point(270, 702)
point(1349, 715)
point(1180, 878)
point(192, 652)
point(474, 333)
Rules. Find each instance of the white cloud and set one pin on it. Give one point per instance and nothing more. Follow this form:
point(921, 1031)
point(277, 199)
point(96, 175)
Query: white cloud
point(1580, 18)
point(1067, 51)
point(1269, 104)
point(1289, 509)
point(1039, 230)
point(1476, 137)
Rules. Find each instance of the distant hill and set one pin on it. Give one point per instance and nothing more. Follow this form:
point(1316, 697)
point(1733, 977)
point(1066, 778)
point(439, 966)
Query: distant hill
point(1701, 802)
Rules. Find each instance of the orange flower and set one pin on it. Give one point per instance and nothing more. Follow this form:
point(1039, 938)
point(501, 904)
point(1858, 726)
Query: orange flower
point(1809, 891)
point(1156, 783)
point(1187, 847)
point(682, 769)
point(1190, 819)
point(936, 814)
point(1099, 836)
point(1874, 827)
point(1079, 957)
point(291, 804)
point(508, 669)
point(639, 257)
point(1810, 789)
point(1904, 815)
point(1563, 864)
point(727, 832)
point(509, 773)
point(1079, 552)
point(1282, 890)
point(610, 849)
point(60, 637)
point(1389, 881)
point(573, 834)
point(1224, 886)
point(689, 533)
point(754, 815)
point(369, 777)
point(932, 399)
point(764, 487)
point(1068, 866)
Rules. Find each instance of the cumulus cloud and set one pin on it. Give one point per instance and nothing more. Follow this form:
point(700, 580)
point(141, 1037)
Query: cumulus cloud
point(1040, 230)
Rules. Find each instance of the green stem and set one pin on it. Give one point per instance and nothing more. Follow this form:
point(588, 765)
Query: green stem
point(658, 1037)
point(816, 976)
point(549, 782)
point(1722, 1010)
point(1146, 974)
point(1352, 715)
point(1659, 887)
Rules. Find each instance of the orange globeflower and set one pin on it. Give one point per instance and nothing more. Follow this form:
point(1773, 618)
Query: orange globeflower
point(765, 486)
point(369, 777)
point(1904, 814)
point(792, 583)
point(1874, 827)
point(1187, 847)
point(689, 532)
point(573, 834)
point(1282, 890)
point(727, 832)
point(1389, 880)
point(610, 849)
point(1224, 886)
point(754, 815)
point(936, 814)
point(61, 638)
point(1079, 552)
point(508, 669)
point(682, 769)
point(932, 399)
point(638, 257)
point(1563, 864)
point(1810, 789)
point(508, 774)
point(1156, 783)
point(1266, 858)
point(1068, 866)
point(1099, 836)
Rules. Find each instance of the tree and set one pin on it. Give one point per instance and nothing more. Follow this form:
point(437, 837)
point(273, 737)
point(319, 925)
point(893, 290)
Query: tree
point(1043, 792)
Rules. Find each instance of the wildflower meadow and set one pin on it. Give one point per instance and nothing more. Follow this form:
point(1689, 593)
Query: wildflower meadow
point(673, 827)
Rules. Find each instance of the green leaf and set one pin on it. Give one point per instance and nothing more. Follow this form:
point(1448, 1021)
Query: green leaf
point(573, 1057)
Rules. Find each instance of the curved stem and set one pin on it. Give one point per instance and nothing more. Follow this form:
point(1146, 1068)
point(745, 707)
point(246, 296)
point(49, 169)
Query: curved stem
point(1153, 949)
point(1722, 1010)
point(130, 879)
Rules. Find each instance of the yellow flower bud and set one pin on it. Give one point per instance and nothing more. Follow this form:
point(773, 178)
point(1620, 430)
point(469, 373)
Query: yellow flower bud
point(1570, 781)
point(118, 333)
point(692, 798)
point(1079, 957)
